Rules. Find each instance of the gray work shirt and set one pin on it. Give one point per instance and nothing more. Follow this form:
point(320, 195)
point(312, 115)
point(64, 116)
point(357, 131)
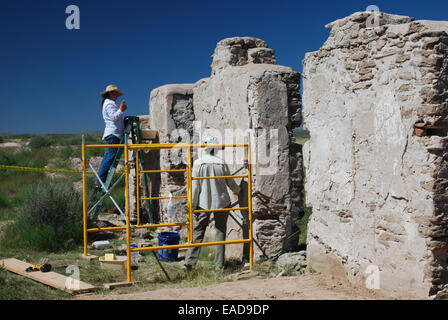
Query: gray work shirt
point(211, 193)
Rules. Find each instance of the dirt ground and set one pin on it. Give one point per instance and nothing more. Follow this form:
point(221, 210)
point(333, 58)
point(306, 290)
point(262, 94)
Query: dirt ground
point(312, 286)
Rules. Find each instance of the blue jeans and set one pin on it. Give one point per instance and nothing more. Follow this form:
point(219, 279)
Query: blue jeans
point(109, 156)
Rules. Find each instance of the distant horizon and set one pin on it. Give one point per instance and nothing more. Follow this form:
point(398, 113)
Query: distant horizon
point(295, 130)
point(52, 76)
point(49, 134)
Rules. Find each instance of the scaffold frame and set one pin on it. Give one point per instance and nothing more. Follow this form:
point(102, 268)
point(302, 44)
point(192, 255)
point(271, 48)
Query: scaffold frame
point(189, 178)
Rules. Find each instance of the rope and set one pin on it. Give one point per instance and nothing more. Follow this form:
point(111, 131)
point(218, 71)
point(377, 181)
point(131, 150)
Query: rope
point(44, 169)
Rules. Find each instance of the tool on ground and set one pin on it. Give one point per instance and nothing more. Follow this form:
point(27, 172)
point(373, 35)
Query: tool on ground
point(234, 173)
point(240, 223)
point(161, 267)
point(131, 129)
point(39, 267)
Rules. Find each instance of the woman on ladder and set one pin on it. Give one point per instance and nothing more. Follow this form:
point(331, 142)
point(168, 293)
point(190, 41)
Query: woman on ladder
point(114, 126)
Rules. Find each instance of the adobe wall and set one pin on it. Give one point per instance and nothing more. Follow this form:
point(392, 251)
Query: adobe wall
point(246, 94)
point(375, 102)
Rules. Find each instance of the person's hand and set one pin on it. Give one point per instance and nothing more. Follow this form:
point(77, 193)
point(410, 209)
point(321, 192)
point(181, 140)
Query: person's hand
point(123, 106)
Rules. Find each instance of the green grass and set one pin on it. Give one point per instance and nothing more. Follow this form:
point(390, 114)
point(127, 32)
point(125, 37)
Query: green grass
point(28, 157)
point(302, 136)
point(16, 287)
point(68, 152)
point(4, 200)
point(302, 223)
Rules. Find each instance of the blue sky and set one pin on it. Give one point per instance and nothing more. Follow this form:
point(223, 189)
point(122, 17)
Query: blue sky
point(51, 77)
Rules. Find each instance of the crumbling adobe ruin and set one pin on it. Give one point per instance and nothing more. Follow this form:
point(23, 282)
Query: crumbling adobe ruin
point(375, 102)
point(246, 94)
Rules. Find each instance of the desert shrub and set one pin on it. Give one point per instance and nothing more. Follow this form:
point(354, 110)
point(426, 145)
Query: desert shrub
point(76, 139)
point(27, 158)
point(67, 152)
point(49, 219)
point(40, 141)
point(93, 138)
point(4, 202)
point(67, 139)
point(7, 158)
point(117, 193)
point(95, 152)
point(63, 139)
point(119, 197)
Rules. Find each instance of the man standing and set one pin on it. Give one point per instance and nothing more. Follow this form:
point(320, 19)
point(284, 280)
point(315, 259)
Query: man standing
point(210, 194)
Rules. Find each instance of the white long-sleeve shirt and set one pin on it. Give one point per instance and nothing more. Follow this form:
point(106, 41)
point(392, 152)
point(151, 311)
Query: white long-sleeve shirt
point(211, 193)
point(113, 119)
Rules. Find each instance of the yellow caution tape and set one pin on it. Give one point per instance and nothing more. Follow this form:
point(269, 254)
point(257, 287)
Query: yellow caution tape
point(46, 170)
point(41, 169)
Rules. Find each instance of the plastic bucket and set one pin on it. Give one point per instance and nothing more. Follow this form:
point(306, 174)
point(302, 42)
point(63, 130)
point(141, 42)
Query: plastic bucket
point(134, 255)
point(165, 239)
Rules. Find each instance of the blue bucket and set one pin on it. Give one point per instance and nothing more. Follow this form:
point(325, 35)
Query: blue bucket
point(168, 238)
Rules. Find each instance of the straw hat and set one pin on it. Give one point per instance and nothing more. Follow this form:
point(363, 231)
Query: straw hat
point(111, 88)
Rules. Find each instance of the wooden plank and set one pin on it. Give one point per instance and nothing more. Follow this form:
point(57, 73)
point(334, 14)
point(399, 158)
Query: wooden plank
point(51, 278)
point(109, 286)
point(89, 257)
point(148, 134)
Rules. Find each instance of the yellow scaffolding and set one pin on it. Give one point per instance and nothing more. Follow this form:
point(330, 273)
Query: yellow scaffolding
point(189, 150)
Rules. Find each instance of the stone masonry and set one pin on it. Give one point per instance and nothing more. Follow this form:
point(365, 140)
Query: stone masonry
point(376, 105)
point(247, 94)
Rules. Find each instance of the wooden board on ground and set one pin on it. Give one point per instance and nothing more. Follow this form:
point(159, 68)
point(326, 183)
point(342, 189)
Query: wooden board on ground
point(88, 257)
point(51, 279)
point(109, 286)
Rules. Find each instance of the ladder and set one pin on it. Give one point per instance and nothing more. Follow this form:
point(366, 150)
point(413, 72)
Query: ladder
point(131, 129)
